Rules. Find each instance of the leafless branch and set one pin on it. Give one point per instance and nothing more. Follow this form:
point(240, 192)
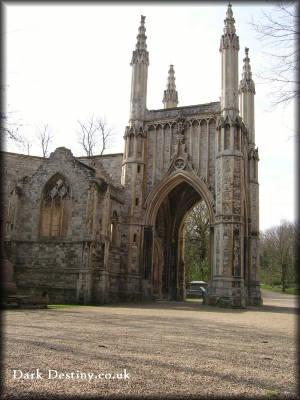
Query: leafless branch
point(94, 134)
point(279, 31)
point(25, 144)
point(9, 129)
point(105, 132)
point(44, 138)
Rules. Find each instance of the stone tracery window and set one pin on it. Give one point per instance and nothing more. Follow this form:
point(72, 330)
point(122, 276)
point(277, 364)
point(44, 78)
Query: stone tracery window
point(55, 208)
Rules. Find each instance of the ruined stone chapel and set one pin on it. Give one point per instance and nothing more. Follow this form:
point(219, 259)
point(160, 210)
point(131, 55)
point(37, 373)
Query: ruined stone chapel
point(109, 228)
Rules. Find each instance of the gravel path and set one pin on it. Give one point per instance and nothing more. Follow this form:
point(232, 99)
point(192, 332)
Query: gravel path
point(167, 348)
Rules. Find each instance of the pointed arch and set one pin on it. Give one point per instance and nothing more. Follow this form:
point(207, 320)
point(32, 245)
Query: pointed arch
point(168, 183)
point(55, 208)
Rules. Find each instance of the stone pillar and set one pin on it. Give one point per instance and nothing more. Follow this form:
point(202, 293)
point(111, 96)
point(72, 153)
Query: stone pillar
point(254, 294)
point(227, 285)
point(247, 92)
point(133, 163)
point(139, 63)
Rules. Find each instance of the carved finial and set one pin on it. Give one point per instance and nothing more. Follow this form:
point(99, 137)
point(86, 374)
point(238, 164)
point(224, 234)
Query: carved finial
point(229, 11)
point(141, 54)
point(229, 21)
point(246, 67)
point(170, 94)
point(247, 83)
point(141, 37)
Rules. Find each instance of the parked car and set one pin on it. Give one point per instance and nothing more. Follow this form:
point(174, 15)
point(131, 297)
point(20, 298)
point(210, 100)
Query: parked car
point(196, 289)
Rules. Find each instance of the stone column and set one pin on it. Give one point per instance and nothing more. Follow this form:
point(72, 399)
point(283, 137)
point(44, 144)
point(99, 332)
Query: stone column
point(227, 285)
point(139, 63)
point(247, 92)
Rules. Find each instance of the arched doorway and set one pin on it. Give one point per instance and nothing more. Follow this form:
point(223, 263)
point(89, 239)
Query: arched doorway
point(164, 264)
point(196, 230)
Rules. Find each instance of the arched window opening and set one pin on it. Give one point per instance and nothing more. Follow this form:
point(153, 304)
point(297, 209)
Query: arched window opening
point(226, 137)
point(196, 249)
point(113, 228)
point(130, 145)
point(55, 208)
point(139, 146)
point(236, 139)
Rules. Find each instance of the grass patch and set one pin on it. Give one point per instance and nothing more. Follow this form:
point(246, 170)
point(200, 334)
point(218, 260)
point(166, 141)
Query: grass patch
point(277, 288)
point(70, 306)
point(271, 393)
point(191, 299)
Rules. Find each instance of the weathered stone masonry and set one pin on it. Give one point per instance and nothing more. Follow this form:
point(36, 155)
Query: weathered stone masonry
point(101, 229)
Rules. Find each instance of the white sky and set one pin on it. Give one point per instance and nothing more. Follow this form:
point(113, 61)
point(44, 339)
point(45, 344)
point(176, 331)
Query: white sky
point(67, 62)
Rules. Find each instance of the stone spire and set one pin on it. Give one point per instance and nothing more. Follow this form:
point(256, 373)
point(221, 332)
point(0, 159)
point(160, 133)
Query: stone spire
point(229, 27)
point(139, 63)
point(247, 84)
point(170, 94)
point(140, 54)
point(247, 92)
point(229, 48)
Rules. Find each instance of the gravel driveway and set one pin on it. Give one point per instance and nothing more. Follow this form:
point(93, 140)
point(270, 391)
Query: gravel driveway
point(160, 350)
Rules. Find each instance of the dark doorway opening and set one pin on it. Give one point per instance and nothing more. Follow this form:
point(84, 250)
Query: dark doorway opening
point(168, 277)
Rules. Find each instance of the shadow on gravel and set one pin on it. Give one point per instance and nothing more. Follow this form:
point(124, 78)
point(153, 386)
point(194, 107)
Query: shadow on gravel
point(190, 306)
point(276, 309)
point(171, 305)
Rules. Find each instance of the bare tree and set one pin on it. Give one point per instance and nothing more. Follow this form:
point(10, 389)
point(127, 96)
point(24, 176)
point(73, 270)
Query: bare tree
point(44, 138)
point(105, 133)
point(279, 32)
point(94, 135)
point(87, 135)
point(10, 129)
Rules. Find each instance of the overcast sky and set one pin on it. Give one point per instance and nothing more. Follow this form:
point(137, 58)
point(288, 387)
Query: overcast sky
point(67, 62)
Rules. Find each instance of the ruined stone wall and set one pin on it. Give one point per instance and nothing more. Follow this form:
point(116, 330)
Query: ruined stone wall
point(51, 263)
point(82, 263)
point(77, 176)
point(14, 167)
point(112, 163)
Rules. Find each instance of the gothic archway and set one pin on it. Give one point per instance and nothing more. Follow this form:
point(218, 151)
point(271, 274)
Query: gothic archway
point(168, 204)
point(55, 207)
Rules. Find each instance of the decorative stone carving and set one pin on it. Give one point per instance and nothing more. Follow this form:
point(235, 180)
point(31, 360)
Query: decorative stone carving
point(253, 154)
point(179, 163)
